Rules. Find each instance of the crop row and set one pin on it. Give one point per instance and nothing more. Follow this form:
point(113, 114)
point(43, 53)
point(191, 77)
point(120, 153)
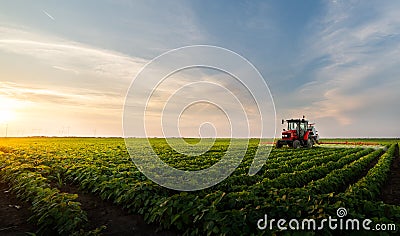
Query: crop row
point(290, 170)
point(369, 186)
point(52, 209)
point(300, 178)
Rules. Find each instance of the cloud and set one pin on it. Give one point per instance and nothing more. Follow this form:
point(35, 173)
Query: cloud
point(66, 69)
point(85, 76)
point(199, 95)
point(353, 57)
point(62, 97)
point(68, 55)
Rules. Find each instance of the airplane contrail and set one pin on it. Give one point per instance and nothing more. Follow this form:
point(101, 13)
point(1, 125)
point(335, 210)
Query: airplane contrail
point(50, 16)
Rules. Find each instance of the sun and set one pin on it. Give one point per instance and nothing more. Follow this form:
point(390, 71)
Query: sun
point(6, 115)
point(7, 109)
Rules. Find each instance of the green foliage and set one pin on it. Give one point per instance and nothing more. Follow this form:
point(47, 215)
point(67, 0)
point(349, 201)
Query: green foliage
point(52, 209)
point(306, 183)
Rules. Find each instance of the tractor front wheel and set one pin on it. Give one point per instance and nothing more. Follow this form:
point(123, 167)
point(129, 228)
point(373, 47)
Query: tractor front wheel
point(278, 144)
point(296, 144)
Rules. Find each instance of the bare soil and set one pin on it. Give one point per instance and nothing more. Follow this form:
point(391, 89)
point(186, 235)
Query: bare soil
point(390, 193)
point(14, 214)
point(117, 220)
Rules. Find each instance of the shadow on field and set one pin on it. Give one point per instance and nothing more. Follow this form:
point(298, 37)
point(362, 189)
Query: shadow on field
point(14, 214)
point(117, 220)
point(390, 193)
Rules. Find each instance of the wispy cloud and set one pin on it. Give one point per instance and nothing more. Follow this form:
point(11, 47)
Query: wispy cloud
point(64, 97)
point(99, 71)
point(77, 57)
point(65, 69)
point(353, 56)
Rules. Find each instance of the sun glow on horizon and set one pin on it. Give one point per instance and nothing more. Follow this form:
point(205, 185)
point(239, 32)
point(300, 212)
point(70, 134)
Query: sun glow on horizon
point(6, 116)
point(7, 109)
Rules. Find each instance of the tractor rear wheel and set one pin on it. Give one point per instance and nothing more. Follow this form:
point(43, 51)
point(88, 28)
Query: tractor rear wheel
point(296, 144)
point(310, 143)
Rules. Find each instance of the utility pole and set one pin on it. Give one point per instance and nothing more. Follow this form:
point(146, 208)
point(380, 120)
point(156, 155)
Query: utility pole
point(6, 130)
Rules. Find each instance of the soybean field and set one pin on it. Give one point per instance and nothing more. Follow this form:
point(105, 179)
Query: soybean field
point(91, 186)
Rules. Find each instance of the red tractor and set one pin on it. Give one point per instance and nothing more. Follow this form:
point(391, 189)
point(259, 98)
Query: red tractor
point(299, 133)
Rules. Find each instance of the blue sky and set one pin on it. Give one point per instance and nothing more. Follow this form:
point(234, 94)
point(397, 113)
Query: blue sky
point(66, 66)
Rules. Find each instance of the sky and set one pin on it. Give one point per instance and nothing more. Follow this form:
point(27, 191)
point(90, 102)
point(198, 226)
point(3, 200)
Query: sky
point(66, 66)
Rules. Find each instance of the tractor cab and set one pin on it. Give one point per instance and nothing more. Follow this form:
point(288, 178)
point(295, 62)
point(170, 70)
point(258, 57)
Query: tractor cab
point(296, 128)
point(299, 133)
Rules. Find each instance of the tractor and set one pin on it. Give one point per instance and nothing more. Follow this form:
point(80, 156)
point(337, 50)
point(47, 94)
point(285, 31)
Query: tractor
point(299, 133)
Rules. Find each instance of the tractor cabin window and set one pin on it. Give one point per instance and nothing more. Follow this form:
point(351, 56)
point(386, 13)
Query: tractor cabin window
point(292, 126)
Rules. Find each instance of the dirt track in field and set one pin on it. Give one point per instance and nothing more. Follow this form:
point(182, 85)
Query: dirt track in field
point(117, 220)
point(391, 191)
point(14, 214)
